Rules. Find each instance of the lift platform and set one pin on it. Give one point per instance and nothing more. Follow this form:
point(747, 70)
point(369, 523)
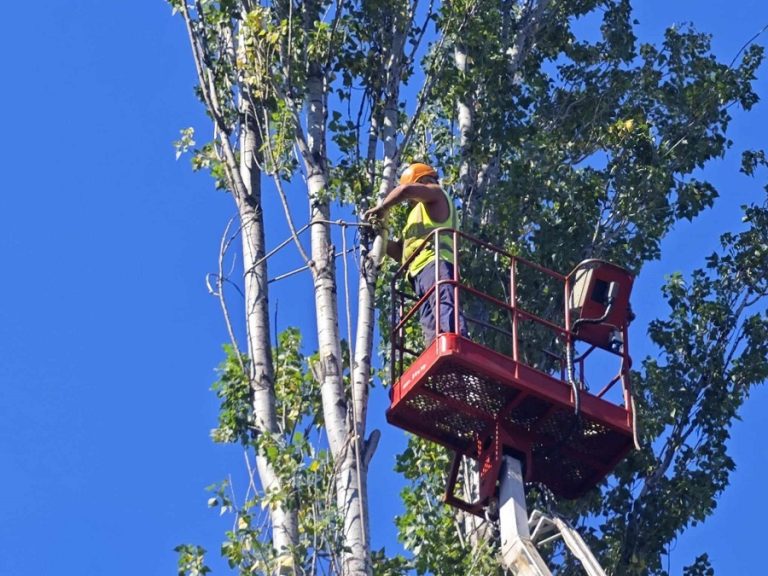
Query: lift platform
point(529, 378)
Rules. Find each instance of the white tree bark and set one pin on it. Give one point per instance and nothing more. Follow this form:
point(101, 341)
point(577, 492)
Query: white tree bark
point(464, 117)
point(261, 372)
point(341, 431)
point(371, 263)
point(530, 20)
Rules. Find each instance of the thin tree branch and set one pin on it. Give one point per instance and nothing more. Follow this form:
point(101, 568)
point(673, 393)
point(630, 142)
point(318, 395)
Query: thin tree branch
point(283, 197)
point(223, 247)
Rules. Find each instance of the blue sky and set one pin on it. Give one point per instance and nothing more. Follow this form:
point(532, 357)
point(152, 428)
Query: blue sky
point(109, 340)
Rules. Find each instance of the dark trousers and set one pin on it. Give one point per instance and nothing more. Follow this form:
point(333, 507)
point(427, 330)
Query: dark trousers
point(424, 280)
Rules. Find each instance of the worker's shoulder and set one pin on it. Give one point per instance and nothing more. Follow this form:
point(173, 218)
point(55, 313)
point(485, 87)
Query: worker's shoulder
point(439, 204)
point(434, 193)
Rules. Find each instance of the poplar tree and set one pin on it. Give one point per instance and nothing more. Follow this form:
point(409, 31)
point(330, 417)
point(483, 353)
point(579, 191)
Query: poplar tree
point(559, 145)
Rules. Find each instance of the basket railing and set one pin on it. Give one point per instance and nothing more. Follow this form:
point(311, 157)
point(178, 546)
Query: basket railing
point(513, 306)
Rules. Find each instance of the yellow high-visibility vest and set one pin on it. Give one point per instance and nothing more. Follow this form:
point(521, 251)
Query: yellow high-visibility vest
point(417, 227)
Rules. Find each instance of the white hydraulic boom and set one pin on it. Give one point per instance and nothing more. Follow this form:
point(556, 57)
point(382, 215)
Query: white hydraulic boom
point(520, 534)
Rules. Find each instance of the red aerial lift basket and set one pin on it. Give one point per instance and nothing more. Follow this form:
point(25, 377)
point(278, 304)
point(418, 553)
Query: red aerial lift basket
point(516, 382)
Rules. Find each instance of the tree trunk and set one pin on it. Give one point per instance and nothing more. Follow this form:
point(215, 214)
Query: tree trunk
point(369, 271)
point(261, 372)
point(341, 434)
point(464, 117)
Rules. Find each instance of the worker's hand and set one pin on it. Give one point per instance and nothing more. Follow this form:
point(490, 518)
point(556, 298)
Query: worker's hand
point(376, 215)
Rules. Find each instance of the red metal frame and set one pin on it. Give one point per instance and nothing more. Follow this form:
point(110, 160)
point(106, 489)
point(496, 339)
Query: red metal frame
point(481, 403)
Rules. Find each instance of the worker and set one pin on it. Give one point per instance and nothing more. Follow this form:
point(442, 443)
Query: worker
point(431, 208)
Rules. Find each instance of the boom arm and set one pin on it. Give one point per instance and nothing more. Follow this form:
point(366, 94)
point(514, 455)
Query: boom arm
point(518, 546)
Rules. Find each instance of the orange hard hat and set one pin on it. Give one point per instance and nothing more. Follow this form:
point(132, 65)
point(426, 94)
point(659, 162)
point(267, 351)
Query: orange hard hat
point(416, 171)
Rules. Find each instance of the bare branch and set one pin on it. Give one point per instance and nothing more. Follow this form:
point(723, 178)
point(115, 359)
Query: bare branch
point(283, 198)
point(223, 246)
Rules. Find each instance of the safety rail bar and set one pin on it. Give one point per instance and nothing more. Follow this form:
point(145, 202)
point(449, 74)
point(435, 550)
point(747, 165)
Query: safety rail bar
point(400, 317)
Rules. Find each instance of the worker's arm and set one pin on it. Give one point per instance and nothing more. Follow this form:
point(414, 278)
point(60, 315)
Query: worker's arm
point(395, 249)
point(431, 195)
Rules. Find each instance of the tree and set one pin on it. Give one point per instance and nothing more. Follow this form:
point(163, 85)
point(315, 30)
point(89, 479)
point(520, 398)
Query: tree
point(265, 75)
point(559, 146)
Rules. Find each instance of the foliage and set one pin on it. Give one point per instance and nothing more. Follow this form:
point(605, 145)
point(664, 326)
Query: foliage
point(233, 389)
point(597, 157)
point(713, 349)
point(432, 531)
point(594, 148)
point(295, 453)
point(562, 137)
point(700, 567)
point(191, 560)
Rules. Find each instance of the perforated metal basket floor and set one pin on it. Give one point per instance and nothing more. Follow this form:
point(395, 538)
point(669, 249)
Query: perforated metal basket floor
point(457, 391)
